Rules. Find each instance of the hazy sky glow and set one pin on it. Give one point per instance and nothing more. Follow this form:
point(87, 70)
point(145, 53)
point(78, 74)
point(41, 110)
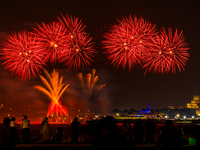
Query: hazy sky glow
point(124, 89)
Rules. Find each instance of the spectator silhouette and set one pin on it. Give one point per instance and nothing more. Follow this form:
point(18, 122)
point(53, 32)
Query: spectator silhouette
point(75, 130)
point(57, 137)
point(12, 122)
point(150, 129)
point(25, 128)
point(169, 138)
point(45, 129)
point(111, 139)
point(8, 136)
point(138, 132)
point(127, 129)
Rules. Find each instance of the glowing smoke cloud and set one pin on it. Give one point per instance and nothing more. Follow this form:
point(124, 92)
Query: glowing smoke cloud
point(55, 91)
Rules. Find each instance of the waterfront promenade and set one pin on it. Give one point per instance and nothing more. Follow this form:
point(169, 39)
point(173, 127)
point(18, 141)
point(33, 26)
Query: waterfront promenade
point(85, 147)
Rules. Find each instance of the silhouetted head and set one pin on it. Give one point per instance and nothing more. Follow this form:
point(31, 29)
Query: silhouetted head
point(169, 126)
point(108, 124)
point(25, 117)
point(13, 119)
point(75, 119)
point(6, 121)
point(45, 119)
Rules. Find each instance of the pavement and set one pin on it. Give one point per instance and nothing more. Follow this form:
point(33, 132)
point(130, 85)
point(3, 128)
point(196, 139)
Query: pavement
point(84, 147)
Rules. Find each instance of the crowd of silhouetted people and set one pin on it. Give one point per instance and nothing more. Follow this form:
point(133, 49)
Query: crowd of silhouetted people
point(9, 137)
point(105, 134)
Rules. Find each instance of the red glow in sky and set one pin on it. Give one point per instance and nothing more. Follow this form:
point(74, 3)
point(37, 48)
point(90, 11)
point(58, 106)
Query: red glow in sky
point(124, 89)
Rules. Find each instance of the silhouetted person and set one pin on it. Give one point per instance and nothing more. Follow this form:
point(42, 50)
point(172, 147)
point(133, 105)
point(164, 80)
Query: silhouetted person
point(150, 129)
point(25, 128)
point(8, 136)
point(45, 128)
point(12, 122)
point(184, 139)
point(57, 137)
point(197, 138)
point(127, 129)
point(169, 138)
point(138, 132)
point(111, 139)
point(75, 130)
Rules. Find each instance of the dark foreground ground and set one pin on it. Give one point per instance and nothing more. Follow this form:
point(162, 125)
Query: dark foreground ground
point(87, 134)
point(84, 147)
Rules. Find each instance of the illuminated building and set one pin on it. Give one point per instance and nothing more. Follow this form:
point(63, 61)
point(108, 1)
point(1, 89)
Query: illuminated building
point(195, 104)
point(174, 107)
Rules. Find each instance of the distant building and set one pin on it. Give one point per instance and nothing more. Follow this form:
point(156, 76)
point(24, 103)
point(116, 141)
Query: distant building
point(195, 104)
point(173, 107)
point(187, 112)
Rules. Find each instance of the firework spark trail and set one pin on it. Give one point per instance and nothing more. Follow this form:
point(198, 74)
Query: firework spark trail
point(54, 91)
point(89, 82)
point(80, 51)
point(127, 41)
point(54, 39)
point(169, 52)
point(53, 107)
point(23, 55)
point(74, 25)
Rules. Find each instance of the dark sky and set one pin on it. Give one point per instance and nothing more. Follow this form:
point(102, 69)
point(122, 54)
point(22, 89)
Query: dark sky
point(124, 89)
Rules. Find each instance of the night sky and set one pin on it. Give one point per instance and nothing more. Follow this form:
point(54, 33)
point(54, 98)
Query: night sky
point(124, 89)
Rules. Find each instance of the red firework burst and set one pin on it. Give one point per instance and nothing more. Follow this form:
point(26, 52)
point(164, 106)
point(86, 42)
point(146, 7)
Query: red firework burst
point(23, 55)
point(53, 39)
point(127, 41)
point(79, 54)
point(73, 25)
point(168, 53)
point(80, 51)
